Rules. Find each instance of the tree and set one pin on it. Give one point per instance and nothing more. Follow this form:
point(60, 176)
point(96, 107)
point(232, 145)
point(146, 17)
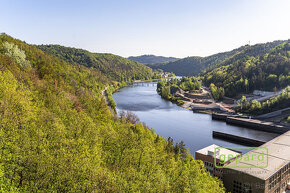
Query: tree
point(217, 92)
point(255, 105)
point(247, 85)
point(165, 93)
point(17, 54)
point(221, 92)
point(169, 146)
point(214, 92)
point(242, 104)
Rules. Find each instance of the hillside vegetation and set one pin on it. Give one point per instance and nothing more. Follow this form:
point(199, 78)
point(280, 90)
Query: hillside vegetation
point(115, 67)
point(167, 89)
point(192, 66)
point(275, 103)
point(151, 59)
point(57, 135)
point(270, 71)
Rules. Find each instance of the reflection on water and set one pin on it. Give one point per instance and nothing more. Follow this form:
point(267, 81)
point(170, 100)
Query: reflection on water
point(170, 120)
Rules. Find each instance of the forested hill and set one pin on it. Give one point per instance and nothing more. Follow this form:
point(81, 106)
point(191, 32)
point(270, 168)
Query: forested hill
point(245, 73)
point(115, 67)
point(151, 59)
point(57, 134)
point(194, 65)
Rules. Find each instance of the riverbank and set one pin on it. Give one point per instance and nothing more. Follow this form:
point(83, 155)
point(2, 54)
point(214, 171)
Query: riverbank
point(169, 120)
point(111, 89)
point(199, 101)
point(109, 104)
point(189, 93)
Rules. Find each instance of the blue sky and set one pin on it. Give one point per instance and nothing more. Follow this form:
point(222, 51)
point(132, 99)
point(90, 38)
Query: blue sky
point(177, 28)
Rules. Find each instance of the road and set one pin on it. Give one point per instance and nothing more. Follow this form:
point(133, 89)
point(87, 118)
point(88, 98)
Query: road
point(104, 93)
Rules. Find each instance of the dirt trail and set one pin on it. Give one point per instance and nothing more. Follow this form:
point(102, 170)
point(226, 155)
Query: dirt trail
point(105, 94)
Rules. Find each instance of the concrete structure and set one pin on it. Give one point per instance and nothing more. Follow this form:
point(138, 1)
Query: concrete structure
point(237, 139)
point(207, 156)
point(271, 179)
point(283, 112)
point(251, 123)
point(257, 125)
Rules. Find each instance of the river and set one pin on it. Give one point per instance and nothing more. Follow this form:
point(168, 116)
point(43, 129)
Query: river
point(170, 120)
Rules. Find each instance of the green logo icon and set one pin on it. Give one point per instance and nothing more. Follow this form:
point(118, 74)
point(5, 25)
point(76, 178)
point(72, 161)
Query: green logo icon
point(227, 157)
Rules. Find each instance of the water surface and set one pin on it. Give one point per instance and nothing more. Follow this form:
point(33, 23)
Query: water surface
point(170, 120)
